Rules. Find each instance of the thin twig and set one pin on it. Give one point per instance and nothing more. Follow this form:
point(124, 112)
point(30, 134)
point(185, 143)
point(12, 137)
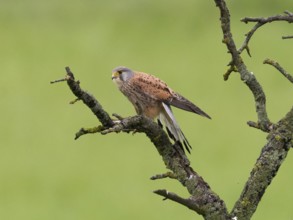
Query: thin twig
point(260, 21)
point(84, 131)
point(58, 80)
point(279, 68)
point(229, 71)
point(174, 197)
point(170, 175)
point(257, 126)
point(248, 37)
point(287, 37)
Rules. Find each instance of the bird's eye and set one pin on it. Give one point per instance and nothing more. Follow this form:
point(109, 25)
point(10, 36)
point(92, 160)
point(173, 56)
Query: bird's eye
point(119, 72)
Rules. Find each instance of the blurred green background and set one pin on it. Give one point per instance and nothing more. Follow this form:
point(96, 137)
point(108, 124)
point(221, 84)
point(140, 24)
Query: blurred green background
point(47, 175)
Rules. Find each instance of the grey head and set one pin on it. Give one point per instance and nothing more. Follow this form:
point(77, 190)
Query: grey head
point(121, 73)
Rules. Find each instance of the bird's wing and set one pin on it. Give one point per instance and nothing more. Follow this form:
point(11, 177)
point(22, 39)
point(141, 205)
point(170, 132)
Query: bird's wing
point(151, 86)
point(159, 90)
point(180, 102)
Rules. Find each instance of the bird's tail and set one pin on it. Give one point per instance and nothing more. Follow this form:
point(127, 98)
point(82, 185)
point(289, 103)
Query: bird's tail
point(173, 128)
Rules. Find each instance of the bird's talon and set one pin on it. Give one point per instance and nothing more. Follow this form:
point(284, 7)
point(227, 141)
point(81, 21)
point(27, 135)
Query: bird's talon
point(116, 122)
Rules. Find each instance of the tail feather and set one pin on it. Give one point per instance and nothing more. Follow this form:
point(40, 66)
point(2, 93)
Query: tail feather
point(173, 128)
point(160, 123)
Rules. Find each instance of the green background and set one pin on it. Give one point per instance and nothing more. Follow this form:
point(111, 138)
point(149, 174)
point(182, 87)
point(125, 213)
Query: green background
point(45, 174)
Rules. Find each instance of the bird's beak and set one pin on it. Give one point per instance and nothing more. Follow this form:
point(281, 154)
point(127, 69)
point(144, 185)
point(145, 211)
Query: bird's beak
point(115, 75)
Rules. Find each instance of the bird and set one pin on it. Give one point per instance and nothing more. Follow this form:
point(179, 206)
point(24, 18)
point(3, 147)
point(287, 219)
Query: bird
point(153, 98)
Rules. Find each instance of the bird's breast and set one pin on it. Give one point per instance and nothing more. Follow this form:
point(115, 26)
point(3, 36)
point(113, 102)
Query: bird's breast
point(152, 111)
point(117, 82)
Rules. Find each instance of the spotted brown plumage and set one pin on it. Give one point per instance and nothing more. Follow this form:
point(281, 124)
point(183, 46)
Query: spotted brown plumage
point(153, 98)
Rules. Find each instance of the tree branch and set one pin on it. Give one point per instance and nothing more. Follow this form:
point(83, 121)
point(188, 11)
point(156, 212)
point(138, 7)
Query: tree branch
point(278, 67)
point(266, 167)
point(238, 65)
point(280, 135)
point(189, 203)
point(288, 16)
point(88, 100)
point(164, 175)
point(204, 201)
point(287, 37)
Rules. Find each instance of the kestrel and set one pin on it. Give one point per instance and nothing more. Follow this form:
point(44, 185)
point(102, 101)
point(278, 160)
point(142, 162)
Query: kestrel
point(153, 98)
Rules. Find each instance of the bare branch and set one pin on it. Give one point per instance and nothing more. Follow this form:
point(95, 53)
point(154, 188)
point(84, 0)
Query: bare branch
point(229, 71)
point(280, 135)
point(88, 99)
point(266, 167)
point(58, 80)
point(248, 37)
point(287, 37)
point(207, 203)
point(164, 175)
point(288, 13)
point(278, 67)
point(84, 131)
point(257, 126)
point(287, 17)
point(246, 76)
point(259, 23)
point(189, 203)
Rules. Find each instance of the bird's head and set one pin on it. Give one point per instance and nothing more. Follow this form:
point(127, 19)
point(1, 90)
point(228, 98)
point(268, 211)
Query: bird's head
point(121, 74)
